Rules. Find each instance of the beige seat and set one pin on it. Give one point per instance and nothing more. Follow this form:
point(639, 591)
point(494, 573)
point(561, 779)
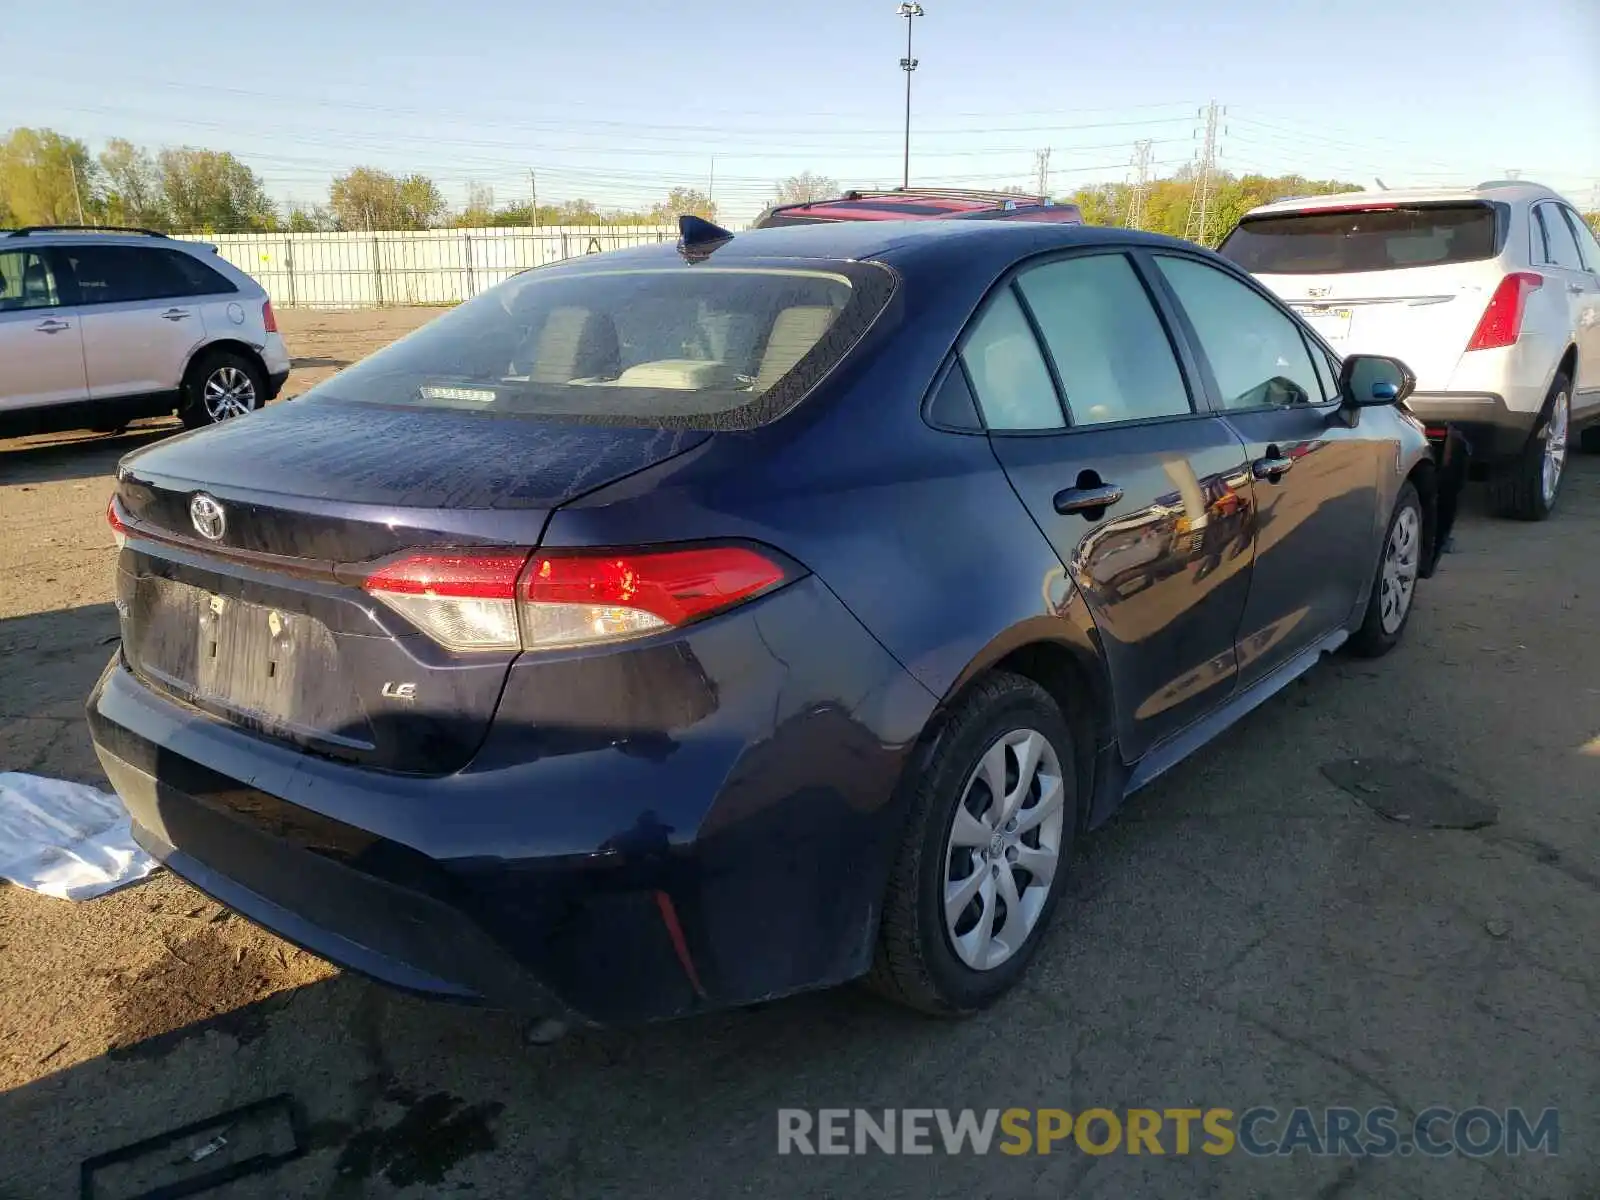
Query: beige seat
point(795, 331)
point(574, 343)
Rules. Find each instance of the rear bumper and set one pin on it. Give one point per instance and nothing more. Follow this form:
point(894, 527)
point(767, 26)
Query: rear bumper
point(601, 878)
point(275, 383)
point(1494, 431)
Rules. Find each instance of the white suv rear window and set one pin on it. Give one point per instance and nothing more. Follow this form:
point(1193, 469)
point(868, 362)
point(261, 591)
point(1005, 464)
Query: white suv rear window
point(1345, 241)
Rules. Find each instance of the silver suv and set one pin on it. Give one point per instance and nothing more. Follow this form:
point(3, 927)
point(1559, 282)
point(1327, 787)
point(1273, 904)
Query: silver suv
point(101, 326)
point(1491, 294)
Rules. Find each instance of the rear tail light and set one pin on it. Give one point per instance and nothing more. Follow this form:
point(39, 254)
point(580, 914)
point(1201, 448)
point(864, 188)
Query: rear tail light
point(1501, 323)
point(119, 530)
point(269, 319)
point(505, 600)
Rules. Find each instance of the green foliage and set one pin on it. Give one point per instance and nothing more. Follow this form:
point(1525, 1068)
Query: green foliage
point(367, 198)
point(132, 192)
point(1168, 200)
point(1593, 220)
point(45, 178)
point(211, 191)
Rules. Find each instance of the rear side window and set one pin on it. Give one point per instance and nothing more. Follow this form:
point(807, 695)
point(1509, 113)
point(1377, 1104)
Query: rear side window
point(26, 281)
point(120, 274)
point(1109, 348)
point(195, 278)
point(1380, 239)
point(1255, 350)
point(1563, 246)
point(1007, 370)
point(692, 345)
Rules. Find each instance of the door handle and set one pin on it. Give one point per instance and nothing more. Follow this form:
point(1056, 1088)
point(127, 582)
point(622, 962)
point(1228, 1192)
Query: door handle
point(175, 314)
point(52, 326)
point(1273, 466)
point(1087, 499)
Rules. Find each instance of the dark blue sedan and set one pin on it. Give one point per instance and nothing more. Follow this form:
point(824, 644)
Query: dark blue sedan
point(688, 626)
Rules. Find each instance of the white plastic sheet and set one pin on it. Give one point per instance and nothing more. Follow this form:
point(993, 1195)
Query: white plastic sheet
point(65, 839)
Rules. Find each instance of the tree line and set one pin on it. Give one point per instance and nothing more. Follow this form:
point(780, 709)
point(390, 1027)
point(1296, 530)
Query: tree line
point(48, 178)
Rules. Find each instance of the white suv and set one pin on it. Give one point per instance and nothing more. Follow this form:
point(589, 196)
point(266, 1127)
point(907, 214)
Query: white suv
point(99, 327)
point(1491, 295)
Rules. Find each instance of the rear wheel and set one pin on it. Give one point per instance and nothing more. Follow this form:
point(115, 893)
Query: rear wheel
point(1526, 489)
point(220, 386)
point(986, 848)
point(1389, 606)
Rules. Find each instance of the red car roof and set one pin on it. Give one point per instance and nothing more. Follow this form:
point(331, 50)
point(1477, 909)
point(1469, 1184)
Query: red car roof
point(917, 206)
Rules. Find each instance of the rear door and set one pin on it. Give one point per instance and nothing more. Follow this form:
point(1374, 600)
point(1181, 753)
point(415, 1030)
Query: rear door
point(1315, 478)
point(1565, 241)
point(1143, 493)
point(1406, 280)
point(140, 320)
point(41, 345)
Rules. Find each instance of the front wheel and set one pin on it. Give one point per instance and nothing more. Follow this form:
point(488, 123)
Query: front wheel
point(1389, 606)
point(220, 386)
point(986, 849)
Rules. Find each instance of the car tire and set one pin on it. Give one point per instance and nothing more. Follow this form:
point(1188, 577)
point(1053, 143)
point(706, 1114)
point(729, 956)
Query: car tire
point(1526, 489)
point(221, 385)
point(926, 960)
point(1394, 587)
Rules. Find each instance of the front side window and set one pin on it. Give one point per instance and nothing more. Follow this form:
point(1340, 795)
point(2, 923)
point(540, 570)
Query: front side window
point(26, 281)
point(694, 345)
point(1110, 351)
point(1008, 371)
point(1256, 351)
point(1587, 245)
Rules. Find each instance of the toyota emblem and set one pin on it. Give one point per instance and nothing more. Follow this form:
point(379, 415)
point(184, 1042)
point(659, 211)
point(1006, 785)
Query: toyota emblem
point(210, 522)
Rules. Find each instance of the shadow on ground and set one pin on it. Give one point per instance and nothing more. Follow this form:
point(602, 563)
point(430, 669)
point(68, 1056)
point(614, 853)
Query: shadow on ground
point(79, 455)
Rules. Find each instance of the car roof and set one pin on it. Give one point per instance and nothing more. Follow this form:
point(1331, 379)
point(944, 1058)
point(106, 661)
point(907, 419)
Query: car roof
point(56, 235)
point(1511, 191)
point(980, 244)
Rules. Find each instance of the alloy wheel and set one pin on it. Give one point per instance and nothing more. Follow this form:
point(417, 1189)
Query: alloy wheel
point(1555, 447)
point(1400, 564)
point(1003, 848)
point(228, 393)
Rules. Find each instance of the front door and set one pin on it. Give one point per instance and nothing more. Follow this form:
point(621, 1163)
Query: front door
point(1574, 266)
point(139, 328)
point(1145, 497)
point(1315, 477)
point(41, 345)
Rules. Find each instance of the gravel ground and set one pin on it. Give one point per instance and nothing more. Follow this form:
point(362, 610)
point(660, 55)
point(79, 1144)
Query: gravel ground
point(1246, 933)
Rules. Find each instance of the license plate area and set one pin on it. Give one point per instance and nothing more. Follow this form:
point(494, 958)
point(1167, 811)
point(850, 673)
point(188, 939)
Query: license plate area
point(269, 667)
point(1332, 322)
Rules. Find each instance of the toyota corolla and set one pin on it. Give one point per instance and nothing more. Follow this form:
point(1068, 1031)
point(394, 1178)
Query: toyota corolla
point(687, 626)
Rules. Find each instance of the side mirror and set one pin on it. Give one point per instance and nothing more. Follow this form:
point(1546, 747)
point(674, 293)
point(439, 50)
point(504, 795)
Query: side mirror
point(1366, 380)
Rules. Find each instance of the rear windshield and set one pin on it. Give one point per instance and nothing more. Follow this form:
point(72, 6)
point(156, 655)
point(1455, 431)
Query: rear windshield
point(1332, 243)
point(692, 345)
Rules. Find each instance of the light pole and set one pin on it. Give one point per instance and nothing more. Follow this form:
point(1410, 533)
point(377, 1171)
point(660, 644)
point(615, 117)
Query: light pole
point(908, 64)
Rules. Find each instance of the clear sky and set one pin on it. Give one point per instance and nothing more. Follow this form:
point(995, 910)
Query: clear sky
point(617, 102)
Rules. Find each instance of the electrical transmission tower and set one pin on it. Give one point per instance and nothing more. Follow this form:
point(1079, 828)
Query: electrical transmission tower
point(1139, 192)
point(1041, 163)
point(1198, 223)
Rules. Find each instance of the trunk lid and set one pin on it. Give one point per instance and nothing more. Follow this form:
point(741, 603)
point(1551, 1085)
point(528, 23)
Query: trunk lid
point(1379, 276)
point(1423, 316)
point(266, 625)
